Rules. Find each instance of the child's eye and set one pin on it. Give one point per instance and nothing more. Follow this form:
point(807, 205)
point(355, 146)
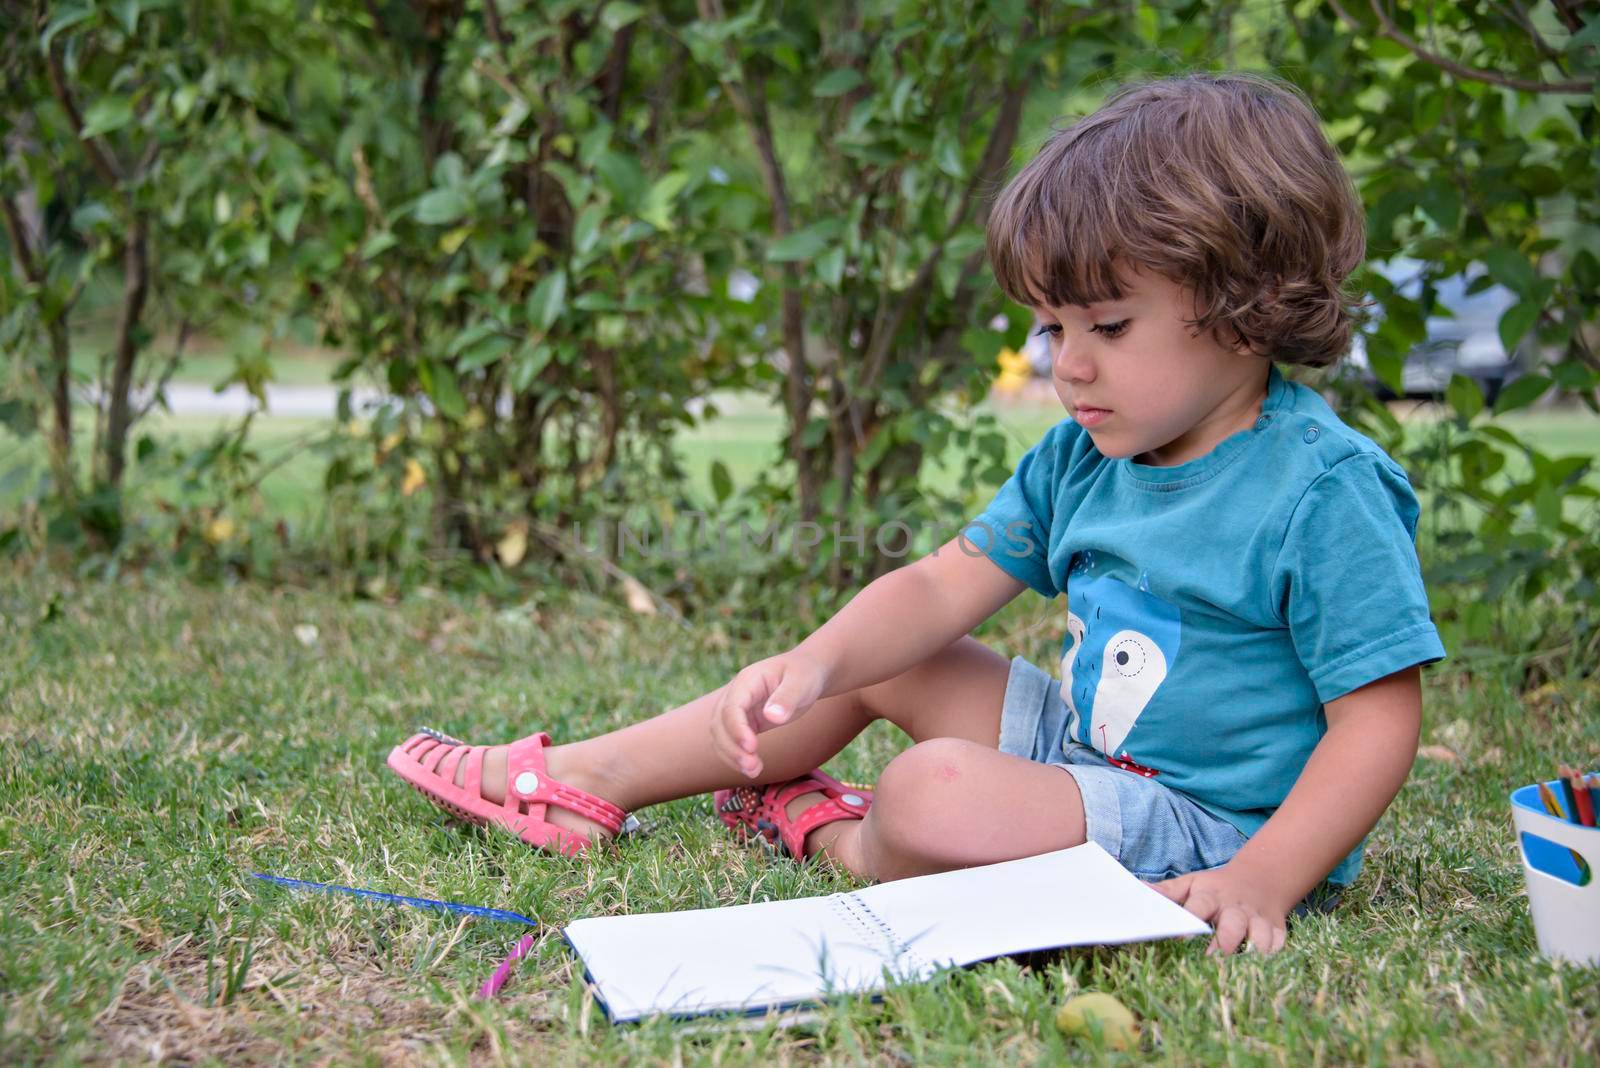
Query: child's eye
point(1110, 329)
point(1053, 329)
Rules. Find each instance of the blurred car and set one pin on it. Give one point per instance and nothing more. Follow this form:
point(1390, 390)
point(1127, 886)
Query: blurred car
point(1462, 336)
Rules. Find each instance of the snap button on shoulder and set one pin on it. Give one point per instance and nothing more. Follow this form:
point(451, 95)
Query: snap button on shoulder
point(1311, 435)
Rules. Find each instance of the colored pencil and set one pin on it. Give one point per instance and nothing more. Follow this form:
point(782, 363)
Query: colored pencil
point(1569, 795)
point(495, 982)
point(1584, 811)
point(492, 985)
point(1548, 798)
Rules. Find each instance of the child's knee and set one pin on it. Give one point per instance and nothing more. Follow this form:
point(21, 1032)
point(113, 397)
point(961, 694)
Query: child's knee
point(916, 794)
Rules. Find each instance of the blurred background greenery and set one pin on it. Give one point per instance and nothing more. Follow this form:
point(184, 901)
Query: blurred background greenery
point(408, 292)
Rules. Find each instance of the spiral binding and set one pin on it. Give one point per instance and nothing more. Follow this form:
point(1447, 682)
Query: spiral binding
point(875, 929)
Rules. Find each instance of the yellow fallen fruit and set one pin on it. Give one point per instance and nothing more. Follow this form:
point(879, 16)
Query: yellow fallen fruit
point(1118, 1028)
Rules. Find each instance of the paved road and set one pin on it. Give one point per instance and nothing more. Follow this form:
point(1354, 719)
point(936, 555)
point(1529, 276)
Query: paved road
point(194, 398)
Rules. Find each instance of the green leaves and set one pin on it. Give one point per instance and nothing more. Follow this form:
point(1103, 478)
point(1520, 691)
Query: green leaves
point(837, 82)
point(126, 13)
point(547, 299)
point(107, 114)
point(830, 267)
point(801, 245)
point(658, 202)
point(527, 364)
point(1516, 322)
point(441, 207)
point(19, 416)
point(804, 244)
point(983, 344)
point(439, 382)
point(66, 16)
point(1511, 269)
point(287, 219)
point(479, 346)
point(1464, 396)
point(1521, 392)
point(621, 173)
point(1587, 37)
point(618, 14)
point(721, 481)
point(1441, 200)
point(586, 230)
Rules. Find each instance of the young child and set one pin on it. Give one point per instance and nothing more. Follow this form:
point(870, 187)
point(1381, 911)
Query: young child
point(1239, 697)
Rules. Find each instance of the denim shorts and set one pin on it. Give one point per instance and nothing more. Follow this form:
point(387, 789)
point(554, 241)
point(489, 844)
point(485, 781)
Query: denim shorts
point(1153, 831)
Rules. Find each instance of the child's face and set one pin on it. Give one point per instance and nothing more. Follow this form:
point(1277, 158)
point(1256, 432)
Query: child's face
point(1138, 380)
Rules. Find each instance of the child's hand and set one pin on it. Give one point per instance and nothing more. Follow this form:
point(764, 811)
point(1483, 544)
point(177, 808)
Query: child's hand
point(766, 694)
point(1235, 904)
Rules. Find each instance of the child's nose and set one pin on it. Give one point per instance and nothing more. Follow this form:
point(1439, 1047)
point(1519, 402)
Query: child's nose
point(1073, 363)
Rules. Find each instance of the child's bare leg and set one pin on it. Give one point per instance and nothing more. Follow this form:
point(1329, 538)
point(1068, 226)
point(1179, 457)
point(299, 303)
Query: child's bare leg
point(951, 803)
point(956, 693)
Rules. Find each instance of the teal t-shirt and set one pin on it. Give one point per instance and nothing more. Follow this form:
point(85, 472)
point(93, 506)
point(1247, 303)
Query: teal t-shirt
point(1215, 606)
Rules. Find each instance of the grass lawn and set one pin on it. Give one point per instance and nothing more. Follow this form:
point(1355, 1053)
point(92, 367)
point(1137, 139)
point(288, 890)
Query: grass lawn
point(164, 740)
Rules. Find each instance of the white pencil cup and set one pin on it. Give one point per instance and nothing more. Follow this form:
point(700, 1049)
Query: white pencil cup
point(1565, 904)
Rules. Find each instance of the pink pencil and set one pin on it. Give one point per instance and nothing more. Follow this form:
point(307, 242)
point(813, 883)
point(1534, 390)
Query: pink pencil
point(492, 987)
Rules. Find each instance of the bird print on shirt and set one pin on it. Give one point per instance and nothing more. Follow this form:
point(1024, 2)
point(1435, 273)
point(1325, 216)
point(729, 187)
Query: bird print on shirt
point(1120, 645)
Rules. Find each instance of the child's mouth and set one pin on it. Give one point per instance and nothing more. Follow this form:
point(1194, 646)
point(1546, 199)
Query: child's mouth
point(1090, 416)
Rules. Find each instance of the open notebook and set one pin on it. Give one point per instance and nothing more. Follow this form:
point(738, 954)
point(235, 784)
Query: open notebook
point(751, 958)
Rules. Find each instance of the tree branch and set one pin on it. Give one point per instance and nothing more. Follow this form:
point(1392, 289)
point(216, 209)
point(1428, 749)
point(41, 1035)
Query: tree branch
point(101, 157)
point(17, 234)
point(1515, 12)
point(497, 33)
point(1568, 11)
point(1388, 29)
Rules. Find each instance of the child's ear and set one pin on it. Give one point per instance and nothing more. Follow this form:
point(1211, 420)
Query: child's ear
point(1238, 344)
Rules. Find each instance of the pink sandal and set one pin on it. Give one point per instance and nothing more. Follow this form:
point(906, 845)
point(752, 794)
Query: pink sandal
point(763, 811)
point(428, 761)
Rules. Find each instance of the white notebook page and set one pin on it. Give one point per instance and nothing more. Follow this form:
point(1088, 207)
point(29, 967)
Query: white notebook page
point(1074, 897)
point(752, 957)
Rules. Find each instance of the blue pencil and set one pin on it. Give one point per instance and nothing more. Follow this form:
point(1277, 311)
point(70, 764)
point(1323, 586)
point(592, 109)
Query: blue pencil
point(400, 899)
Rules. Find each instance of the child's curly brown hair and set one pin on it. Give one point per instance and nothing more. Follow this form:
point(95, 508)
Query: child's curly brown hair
point(1222, 183)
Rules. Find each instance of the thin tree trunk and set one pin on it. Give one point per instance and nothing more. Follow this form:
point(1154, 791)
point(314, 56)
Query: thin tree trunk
point(22, 237)
point(135, 289)
point(61, 406)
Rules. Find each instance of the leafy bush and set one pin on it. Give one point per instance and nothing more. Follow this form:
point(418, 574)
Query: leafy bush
point(521, 223)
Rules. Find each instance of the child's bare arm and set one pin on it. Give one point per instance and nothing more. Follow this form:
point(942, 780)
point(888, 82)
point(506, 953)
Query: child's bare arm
point(1354, 772)
point(904, 617)
point(895, 622)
